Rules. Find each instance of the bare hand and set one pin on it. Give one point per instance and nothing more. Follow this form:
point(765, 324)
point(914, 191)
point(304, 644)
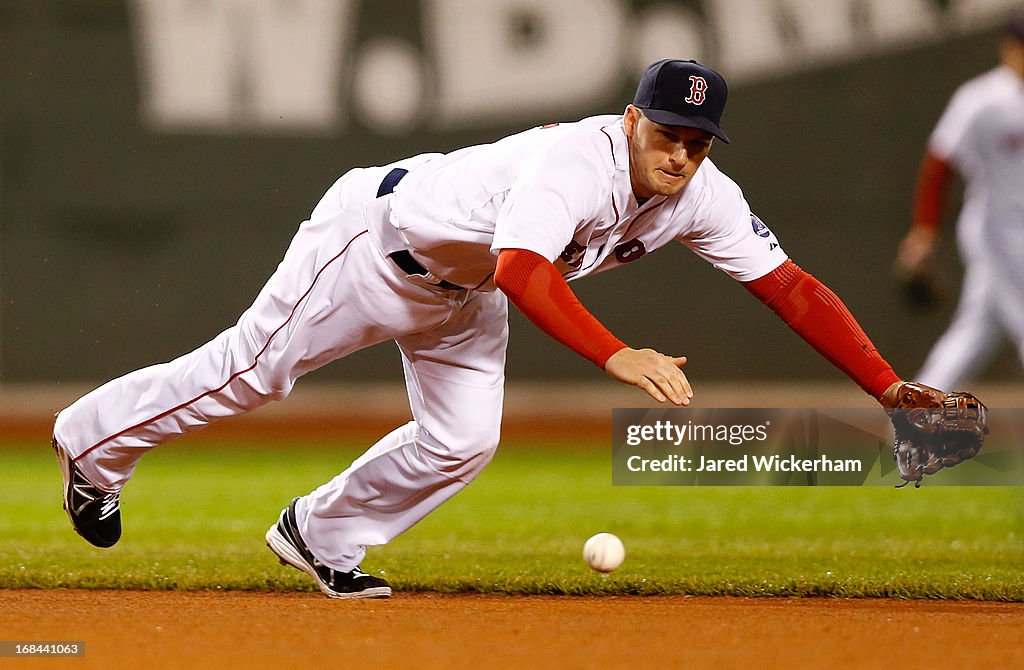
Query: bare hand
point(652, 371)
point(915, 251)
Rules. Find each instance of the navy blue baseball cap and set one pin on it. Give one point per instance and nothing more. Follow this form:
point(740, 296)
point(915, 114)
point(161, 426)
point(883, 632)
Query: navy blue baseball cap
point(683, 93)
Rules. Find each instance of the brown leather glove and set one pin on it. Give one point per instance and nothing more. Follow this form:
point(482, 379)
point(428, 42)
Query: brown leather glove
point(933, 429)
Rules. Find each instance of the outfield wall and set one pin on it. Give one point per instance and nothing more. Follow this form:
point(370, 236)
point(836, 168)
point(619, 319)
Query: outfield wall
point(156, 157)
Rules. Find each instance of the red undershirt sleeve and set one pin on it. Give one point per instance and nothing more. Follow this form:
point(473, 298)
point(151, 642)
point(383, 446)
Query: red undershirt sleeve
point(933, 180)
point(818, 315)
point(533, 284)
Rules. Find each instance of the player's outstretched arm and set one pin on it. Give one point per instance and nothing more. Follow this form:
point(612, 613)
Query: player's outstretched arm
point(540, 292)
point(818, 315)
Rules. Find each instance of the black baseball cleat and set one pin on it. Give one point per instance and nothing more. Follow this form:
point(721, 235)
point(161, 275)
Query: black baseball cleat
point(95, 513)
point(284, 539)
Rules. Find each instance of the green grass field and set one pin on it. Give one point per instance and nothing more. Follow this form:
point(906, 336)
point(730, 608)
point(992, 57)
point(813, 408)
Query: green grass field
point(196, 512)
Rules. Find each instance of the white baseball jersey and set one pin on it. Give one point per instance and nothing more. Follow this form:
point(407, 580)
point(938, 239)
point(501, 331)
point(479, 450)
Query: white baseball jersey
point(981, 133)
point(563, 191)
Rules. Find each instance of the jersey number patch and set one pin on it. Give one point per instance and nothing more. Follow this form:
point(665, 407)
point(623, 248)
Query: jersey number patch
point(572, 255)
point(628, 252)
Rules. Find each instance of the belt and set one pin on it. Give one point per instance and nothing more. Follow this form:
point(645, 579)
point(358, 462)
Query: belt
point(403, 259)
point(389, 182)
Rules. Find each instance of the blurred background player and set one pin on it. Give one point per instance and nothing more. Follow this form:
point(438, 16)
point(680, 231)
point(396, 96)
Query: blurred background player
point(980, 137)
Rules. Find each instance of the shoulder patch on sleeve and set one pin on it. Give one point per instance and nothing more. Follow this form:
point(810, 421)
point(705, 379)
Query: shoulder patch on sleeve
point(758, 225)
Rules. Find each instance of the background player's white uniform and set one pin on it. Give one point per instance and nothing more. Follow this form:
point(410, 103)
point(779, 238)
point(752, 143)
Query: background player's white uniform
point(981, 134)
point(562, 191)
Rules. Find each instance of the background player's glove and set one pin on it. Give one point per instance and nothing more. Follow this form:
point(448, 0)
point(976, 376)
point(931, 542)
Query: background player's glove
point(934, 429)
point(920, 290)
point(914, 270)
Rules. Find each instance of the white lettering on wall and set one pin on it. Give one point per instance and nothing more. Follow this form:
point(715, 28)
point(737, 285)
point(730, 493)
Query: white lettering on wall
point(522, 57)
point(289, 65)
point(390, 86)
point(665, 31)
point(970, 14)
point(777, 36)
point(249, 64)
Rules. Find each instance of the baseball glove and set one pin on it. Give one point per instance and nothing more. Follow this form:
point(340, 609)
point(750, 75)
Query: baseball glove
point(920, 291)
point(935, 430)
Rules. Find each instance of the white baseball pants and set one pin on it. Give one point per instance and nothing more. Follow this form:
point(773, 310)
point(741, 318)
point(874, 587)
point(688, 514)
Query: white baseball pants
point(334, 293)
point(991, 302)
point(971, 338)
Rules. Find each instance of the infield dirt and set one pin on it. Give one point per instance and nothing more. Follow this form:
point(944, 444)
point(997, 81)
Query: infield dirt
point(150, 629)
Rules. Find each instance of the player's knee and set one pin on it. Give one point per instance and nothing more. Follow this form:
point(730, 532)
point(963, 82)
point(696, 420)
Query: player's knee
point(464, 454)
point(482, 450)
point(265, 371)
point(276, 380)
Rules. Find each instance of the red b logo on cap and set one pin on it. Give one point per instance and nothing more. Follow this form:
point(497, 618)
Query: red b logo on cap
point(698, 90)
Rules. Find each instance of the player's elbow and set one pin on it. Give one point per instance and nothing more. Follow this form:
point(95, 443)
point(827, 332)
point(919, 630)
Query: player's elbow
point(513, 271)
point(502, 277)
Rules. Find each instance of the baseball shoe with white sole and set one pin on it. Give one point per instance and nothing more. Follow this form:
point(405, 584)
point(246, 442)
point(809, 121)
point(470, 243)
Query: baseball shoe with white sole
point(94, 512)
point(284, 539)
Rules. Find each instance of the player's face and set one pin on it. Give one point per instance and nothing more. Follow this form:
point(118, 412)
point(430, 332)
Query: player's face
point(662, 159)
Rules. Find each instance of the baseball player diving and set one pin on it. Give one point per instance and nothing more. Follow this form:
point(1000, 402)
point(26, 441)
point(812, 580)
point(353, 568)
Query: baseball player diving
point(427, 252)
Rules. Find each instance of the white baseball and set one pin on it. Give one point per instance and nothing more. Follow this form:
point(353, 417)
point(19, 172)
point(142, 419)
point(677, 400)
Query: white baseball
point(604, 552)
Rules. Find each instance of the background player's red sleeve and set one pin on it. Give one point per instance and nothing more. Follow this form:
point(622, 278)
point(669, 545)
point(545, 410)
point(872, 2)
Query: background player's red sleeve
point(933, 181)
point(820, 317)
point(540, 292)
